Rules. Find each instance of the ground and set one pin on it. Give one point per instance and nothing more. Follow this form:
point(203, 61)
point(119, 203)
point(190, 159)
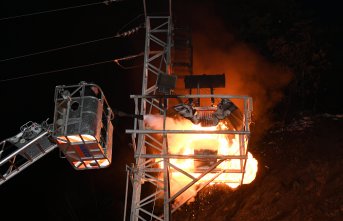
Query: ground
point(299, 177)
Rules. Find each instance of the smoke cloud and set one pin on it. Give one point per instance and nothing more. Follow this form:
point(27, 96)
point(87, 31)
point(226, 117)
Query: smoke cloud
point(216, 51)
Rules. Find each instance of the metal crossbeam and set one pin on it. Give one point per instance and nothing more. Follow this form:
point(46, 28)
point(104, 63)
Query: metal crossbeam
point(154, 161)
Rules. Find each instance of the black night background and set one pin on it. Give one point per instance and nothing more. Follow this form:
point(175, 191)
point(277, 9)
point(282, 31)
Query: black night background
point(295, 45)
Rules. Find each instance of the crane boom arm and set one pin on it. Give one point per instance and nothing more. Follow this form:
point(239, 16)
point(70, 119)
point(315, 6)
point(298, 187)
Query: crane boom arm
point(25, 148)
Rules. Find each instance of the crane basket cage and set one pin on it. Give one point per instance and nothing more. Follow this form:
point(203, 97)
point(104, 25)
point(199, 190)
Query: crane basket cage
point(82, 125)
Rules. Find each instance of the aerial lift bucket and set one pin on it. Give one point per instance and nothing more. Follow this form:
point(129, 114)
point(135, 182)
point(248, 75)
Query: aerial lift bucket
point(82, 126)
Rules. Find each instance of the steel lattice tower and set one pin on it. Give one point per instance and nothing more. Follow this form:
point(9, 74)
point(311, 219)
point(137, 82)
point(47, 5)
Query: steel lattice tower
point(156, 63)
point(150, 174)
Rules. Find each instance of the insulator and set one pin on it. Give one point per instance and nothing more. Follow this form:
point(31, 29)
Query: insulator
point(129, 32)
point(206, 118)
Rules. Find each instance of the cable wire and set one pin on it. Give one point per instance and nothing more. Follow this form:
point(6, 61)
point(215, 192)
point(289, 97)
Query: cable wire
point(57, 49)
point(55, 71)
point(132, 57)
point(129, 67)
point(72, 68)
point(106, 2)
point(128, 58)
point(131, 21)
point(118, 35)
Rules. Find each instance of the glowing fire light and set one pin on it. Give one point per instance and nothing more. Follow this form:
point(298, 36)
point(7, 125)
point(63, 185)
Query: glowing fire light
point(215, 144)
point(83, 151)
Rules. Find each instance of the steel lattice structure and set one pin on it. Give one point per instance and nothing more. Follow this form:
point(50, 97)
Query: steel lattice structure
point(153, 166)
point(156, 63)
point(150, 174)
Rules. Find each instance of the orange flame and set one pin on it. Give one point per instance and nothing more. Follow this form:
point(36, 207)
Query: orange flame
point(188, 144)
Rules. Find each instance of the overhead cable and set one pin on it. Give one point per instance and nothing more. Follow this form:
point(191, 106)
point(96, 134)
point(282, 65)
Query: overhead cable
point(106, 2)
point(128, 58)
point(118, 35)
point(71, 68)
point(55, 71)
point(131, 21)
point(57, 49)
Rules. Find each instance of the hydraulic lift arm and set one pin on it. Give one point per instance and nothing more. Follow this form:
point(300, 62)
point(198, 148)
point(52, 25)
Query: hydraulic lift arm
point(25, 148)
point(82, 130)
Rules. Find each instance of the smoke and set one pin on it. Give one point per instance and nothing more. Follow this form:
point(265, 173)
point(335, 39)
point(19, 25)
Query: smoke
point(216, 51)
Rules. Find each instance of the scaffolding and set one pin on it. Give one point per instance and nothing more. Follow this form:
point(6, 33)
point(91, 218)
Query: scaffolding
point(154, 168)
point(168, 55)
point(156, 162)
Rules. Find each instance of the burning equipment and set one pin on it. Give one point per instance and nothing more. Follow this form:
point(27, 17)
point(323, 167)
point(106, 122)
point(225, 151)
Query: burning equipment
point(210, 116)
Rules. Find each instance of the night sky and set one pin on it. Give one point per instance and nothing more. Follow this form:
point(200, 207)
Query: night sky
point(51, 189)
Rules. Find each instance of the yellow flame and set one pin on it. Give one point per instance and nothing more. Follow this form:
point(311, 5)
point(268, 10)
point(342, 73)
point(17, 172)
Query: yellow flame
point(220, 145)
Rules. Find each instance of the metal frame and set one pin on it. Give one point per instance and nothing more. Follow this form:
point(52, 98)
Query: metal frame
point(14, 159)
point(83, 153)
point(151, 152)
point(156, 62)
point(149, 148)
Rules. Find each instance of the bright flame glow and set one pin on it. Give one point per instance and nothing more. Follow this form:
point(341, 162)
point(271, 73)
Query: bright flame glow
point(76, 138)
point(83, 151)
point(102, 163)
point(233, 145)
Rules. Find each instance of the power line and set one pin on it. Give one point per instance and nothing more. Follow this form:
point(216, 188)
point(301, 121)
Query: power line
point(55, 71)
point(72, 68)
point(126, 67)
point(124, 34)
point(57, 49)
point(128, 58)
point(131, 21)
point(106, 2)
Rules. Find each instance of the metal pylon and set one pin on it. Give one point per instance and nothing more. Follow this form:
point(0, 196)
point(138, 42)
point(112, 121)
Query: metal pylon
point(156, 63)
point(151, 195)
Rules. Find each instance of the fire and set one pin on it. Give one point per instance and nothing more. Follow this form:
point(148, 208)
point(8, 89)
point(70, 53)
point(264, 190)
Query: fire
point(203, 144)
